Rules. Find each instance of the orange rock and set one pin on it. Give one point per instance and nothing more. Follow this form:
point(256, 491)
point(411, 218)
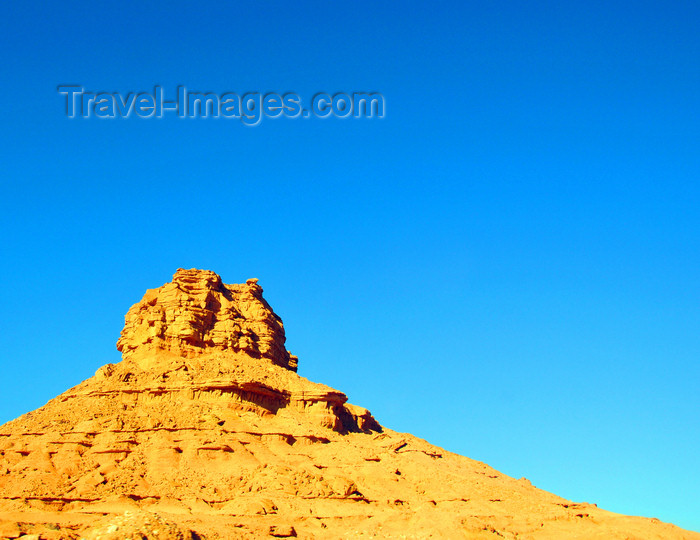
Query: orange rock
point(205, 430)
point(197, 313)
point(9, 529)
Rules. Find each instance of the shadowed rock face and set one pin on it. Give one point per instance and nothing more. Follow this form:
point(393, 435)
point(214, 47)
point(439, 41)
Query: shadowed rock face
point(205, 430)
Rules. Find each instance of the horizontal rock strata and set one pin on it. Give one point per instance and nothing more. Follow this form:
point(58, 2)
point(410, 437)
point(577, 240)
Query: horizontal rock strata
point(205, 430)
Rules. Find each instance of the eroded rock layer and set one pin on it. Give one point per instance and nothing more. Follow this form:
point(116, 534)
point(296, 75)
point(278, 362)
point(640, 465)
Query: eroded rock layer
point(205, 430)
point(197, 313)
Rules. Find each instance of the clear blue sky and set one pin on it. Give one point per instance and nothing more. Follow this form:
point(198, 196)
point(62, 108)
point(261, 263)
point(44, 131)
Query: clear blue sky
point(506, 265)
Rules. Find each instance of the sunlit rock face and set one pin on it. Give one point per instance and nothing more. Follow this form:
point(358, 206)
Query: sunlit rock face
point(205, 430)
point(198, 313)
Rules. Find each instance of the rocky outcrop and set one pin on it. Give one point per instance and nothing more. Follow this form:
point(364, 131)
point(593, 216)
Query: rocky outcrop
point(205, 430)
point(196, 340)
point(198, 313)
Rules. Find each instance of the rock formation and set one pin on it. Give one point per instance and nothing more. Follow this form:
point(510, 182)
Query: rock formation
point(205, 430)
point(197, 313)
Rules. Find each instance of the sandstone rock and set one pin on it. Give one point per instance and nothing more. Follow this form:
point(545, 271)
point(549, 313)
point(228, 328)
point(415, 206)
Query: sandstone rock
point(197, 313)
point(282, 531)
point(137, 525)
point(9, 529)
point(205, 430)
